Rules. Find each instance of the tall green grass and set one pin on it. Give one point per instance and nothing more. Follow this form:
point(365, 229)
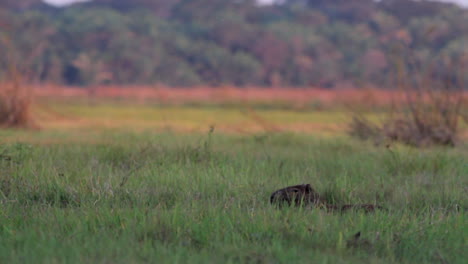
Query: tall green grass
point(174, 198)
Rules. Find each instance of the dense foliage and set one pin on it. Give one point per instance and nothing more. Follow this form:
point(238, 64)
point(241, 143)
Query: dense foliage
point(326, 43)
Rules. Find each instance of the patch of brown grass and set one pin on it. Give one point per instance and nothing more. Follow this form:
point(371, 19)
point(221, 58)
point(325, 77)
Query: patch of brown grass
point(15, 105)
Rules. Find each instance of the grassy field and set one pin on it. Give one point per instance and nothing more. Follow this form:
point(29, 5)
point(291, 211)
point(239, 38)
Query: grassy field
point(187, 118)
point(140, 188)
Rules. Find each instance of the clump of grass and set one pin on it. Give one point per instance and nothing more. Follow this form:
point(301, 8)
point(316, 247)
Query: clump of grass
point(200, 153)
point(363, 129)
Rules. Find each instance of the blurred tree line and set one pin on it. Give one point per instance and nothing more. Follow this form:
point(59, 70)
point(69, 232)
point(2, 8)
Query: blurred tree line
point(324, 43)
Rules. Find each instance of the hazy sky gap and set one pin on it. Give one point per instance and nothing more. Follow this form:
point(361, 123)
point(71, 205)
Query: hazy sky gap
point(66, 2)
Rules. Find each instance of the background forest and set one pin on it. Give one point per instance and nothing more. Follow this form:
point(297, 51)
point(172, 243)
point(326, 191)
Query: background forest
point(322, 43)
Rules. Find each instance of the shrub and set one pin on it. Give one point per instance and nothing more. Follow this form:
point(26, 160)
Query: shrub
point(15, 98)
point(15, 105)
point(428, 109)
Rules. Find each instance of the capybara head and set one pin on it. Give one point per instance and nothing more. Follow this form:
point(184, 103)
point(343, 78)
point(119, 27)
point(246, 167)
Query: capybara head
point(302, 194)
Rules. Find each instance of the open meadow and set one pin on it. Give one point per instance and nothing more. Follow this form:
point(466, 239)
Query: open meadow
point(233, 131)
point(122, 183)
